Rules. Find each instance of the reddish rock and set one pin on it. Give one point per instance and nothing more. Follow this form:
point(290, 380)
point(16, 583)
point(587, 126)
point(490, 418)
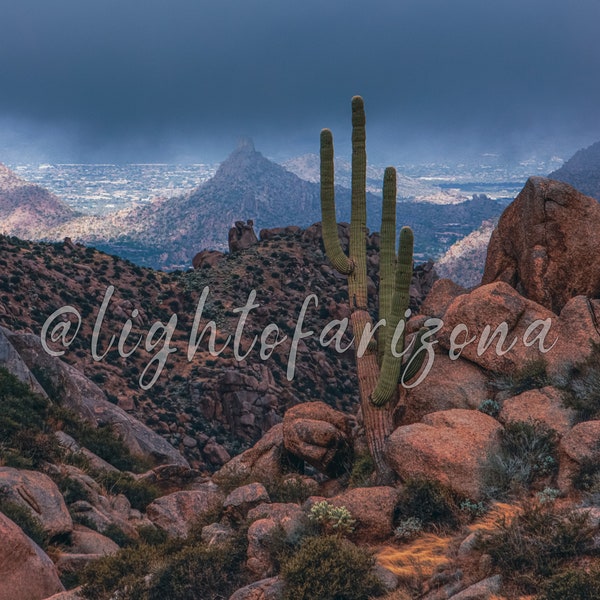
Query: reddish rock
point(373, 510)
point(261, 461)
point(486, 308)
point(38, 494)
point(265, 589)
point(581, 444)
point(578, 327)
point(544, 405)
point(88, 541)
point(242, 236)
point(449, 384)
point(176, 512)
point(207, 259)
point(448, 446)
point(439, 298)
point(320, 435)
point(242, 499)
point(543, 244)
point(260, 562)
point(26, 571)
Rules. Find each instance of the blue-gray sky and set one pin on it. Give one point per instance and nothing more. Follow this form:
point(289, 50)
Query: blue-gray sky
point(164, 80)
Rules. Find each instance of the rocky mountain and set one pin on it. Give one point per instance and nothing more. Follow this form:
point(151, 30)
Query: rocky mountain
point(307, 167)
point(465, 260)
point(28, 210)
point(167, 233)
point(582, 171)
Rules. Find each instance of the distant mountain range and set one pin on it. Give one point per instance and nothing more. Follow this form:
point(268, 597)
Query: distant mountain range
point(167, 233)
point(582, 171)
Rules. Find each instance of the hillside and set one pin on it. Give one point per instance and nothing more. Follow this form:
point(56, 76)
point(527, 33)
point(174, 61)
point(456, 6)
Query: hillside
point(582, 171)
point(29, 210)
point(167, 233)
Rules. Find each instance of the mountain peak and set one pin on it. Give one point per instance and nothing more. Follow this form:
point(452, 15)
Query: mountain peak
point(245, 144)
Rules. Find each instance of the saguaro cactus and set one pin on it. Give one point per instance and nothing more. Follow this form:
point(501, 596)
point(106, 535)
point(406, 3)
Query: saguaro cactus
point(379, 369)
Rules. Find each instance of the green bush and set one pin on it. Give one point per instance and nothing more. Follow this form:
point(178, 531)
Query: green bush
point(581, 387)
point(362, 470)
point(528, 452)
point(428, 501)
point(573, 584)
point(531, 375)
point(25, 520)
point(537, 542)
point(210, 573)
point(329, 568)
point(139, 493)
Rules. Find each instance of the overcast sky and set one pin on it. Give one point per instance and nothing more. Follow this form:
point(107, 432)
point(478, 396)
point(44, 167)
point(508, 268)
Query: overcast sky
point(166, 80)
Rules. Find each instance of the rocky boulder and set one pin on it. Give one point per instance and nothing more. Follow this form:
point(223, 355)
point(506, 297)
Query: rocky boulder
point(26, 571)
point(176, 512)
point(471, 320)
point(544, 405)
point(265, 589)
point(373, 510)
point(38, 494)
point(579, 446)
point(207, 259)
point(448, 446)
point(242, 236)
point(320, 435)
point(543, 244)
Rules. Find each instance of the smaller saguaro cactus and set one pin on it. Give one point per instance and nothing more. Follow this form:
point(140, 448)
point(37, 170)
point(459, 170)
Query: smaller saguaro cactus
point(379, 369)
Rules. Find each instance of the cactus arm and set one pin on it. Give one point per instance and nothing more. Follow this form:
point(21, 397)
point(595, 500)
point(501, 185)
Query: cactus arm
point(331, 240)
point(357, 282)
point(392, 365)
point(387, 255)
point(413, 365)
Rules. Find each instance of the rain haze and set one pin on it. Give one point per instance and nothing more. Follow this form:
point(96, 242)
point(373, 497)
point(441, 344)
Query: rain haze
point(124, 81)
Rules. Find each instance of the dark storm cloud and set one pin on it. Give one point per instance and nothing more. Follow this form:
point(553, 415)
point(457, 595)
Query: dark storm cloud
point(155, 75)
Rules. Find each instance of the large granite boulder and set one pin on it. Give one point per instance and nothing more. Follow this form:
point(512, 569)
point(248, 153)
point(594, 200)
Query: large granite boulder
point(450, 447)
point(26, 571)
point(543, 244)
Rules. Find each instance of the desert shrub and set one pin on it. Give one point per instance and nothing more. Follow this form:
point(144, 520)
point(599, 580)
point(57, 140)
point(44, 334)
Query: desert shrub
point(537, 542)
point(362, 469)
point(72, 489)
point(329, 568)
point(332, 519)
point(581, 386)
point(117, 535)
point(210, 573)
point(573, 584)
point(152, 536)
point(103, 441)
point(287, 489)
point(428, 501)
point(408, 529)
point(125, 569)
point(473, 509)
point(139, 493)
point(528, 451)
point(25, 440)
point(23, 517)
point(530, 376)
point(489, 407)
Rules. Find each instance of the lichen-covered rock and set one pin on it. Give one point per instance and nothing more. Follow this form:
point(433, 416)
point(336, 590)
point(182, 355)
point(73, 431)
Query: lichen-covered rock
point(448, 446)
point(242, 499)
point(320, 435)
point(543, 244)
point(26, 571)
point(265, 589)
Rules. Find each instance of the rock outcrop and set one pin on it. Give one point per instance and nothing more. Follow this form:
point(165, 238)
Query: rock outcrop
point(242, 236)
point(26, 571)
point(447, 446)
point(320, 435)
point(543, 244)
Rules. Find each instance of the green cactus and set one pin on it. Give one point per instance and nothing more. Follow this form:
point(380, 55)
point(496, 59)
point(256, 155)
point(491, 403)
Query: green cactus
point(379, 370)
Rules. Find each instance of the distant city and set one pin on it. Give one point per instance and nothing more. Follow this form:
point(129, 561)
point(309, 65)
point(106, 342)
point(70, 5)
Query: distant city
point(105, 188)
